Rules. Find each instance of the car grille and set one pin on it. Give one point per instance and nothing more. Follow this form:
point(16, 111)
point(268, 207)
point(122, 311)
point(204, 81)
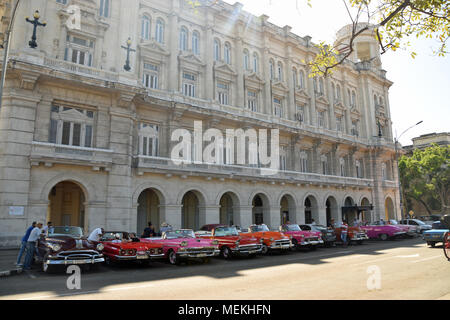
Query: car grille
point(249, 247)
point(82, 254)
point(313, 239)
point(155, 251)
point(282, 242)
point(202, 249)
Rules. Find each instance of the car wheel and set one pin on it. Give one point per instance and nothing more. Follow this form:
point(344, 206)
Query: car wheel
point(433, 244)
point(108, 261)
point(383, 237)
point(226, 253)
point(173, 259)
point(264, 249)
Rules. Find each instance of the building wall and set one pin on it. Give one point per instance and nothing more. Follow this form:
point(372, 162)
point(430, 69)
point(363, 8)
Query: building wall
point(112, 171)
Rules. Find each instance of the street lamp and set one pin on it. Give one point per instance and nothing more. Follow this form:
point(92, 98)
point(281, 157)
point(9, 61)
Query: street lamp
point(128, 48)
point(35, 23)
point(398, 169)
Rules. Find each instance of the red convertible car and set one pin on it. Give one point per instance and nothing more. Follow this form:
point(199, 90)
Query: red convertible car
point(270, 240)
point(354, 234)
point(119, 246)
point(230, 242)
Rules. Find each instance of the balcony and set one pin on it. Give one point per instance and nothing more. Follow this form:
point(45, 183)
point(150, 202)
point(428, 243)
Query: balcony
point(50, 153)
point(145, 164)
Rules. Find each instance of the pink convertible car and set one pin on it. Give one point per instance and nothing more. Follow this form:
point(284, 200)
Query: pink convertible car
point(181, 245)
point(383, 232)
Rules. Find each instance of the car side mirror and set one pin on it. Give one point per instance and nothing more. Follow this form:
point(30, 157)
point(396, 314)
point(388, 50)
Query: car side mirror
point(446, 220)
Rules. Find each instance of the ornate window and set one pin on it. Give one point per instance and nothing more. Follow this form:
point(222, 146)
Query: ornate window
point(71, 126)
point(148, 140)
point(227, 53)
point(216, 50)
point(302, 79)
point(272, 69)
point(255, 63)
point(159, 34)
point(300, 115)
point(183, 39)
point(321, 121)
point(342, 167)
point(252, 100)
point(79, 50)
point(104, 8)
point(278, 107)
point(324, 164)
point(358, 169)
point(150, 76)
point(246, 60)
point(303, 161)
point(145, 28)
point(189, 84)
point(195, 43)
point(223, 93)
point(383, 171)
point(355, 128)
point(340, 123)
point(280, 71)
point(283, 158)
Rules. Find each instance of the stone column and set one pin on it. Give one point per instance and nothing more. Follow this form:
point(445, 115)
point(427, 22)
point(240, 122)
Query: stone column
point(242, 216)
point(272, 217)
point(322, 213)
point(173, 48)
point(300, 214)
point(209, 215)
point(96, 214)
point(171, 214)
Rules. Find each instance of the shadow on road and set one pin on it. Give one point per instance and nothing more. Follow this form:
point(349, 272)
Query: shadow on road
point(132, 274)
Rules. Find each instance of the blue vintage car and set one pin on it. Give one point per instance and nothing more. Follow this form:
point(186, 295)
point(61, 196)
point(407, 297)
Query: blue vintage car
point(436, 234)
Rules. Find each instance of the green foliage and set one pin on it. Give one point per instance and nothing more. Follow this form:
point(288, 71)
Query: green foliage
point(425, 176)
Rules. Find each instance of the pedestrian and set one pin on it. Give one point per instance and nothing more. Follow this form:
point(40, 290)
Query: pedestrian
point(48, 227)
point(96, 235)
point(24, 243)
point(165, 227)
point(31, 245)
point(148, 231)
point(134, 238)
point(344, 232)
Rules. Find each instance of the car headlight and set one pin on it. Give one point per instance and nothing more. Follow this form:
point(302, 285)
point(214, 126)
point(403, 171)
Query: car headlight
point(238, 242)
point(184, 244)
point(272, 239)
point(261, 240)
point(100, 247)
point(54, 246)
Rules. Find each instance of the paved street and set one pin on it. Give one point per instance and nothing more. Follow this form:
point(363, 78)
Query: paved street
point(409, 270)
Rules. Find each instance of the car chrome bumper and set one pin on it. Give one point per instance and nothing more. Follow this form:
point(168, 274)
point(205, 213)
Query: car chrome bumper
point(74, 261)
point(359, 238)
point(247, 250)
point(140, 257)
point(280, 246)
point(198, 254)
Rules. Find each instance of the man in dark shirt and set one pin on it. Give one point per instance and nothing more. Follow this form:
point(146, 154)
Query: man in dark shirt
point(24, 243)
point(149, 231)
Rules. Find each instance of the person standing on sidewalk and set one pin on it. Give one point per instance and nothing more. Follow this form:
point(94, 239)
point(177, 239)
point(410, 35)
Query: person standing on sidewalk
point(344, 234)
point(31, 245)
point(24, 243)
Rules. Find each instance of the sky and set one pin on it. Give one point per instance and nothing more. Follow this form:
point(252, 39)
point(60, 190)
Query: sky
point(421, 89)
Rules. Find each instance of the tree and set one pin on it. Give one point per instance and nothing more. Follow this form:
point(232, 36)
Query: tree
point(425, 176)
point(392, 22)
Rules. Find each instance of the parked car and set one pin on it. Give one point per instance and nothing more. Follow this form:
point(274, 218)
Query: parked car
point(64, 246)
point(119, 247)
point(383, 231)
point(430, 219)
point(354, 234)
point(181, 245)
point(301, 238)
point(436, 234)
point(446, 221)
point(270, 240)
point(328, 234)
point(422, 226)
point(411, 230)
point(231, 243)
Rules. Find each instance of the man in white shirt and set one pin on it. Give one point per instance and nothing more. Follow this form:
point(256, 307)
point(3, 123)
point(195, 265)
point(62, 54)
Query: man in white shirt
point(31, 245)
point(96, 234)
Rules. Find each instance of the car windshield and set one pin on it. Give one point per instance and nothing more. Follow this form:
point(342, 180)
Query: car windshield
point(393, 222)
point(379, 223)
point(319, 227)
point(226, 231)
point(179, 234)
point(75, 232)
point(293, 227)
point(259, 228)
point(110, 236)
point(419, 222)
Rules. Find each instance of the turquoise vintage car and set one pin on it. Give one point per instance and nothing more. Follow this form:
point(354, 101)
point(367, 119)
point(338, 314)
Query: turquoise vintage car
point(436, 234)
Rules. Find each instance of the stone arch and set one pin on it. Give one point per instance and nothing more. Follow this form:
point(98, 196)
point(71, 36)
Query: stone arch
point(349, 211)
point(162, 194)
point(193, 210)
point(311, 205)
point(332, 209)
point(229, 204)
point(199, 192)
point(260, 203)
point(389, 208)
point(148, 204)
point(288, 208)
point(365, 215)
point(87, 188)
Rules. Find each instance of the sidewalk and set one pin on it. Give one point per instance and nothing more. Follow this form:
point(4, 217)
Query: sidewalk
point(8, 258)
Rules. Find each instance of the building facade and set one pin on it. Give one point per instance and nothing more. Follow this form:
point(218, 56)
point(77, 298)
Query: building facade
point(84, 142)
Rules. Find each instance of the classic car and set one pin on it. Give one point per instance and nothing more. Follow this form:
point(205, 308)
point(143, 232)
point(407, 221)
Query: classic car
point(411, 230)
point(446, 221)
point(300, 238)
point(271, 240)
point(430, 219)
point(436, 234)
point(181, 245)
point(231, 243)
point(118, 247)
point(383, 231)
point(354, 234)
point(421, 226)
point(64, 246)
point(328, 234)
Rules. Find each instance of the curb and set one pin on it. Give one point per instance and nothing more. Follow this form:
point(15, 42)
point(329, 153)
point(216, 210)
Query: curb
point(11, 272)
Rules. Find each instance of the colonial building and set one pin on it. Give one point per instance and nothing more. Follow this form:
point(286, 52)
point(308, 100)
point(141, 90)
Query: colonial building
point(85, 142)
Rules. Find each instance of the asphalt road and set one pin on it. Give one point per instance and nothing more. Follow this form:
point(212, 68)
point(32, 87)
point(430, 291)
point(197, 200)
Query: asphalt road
point(400, 269)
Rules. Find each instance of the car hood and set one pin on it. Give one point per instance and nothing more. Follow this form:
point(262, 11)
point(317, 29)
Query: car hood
point(197, 242)
point(306, 234)
point(131, 245)
point(436, 231)
point(70, 243)
point(268, 234)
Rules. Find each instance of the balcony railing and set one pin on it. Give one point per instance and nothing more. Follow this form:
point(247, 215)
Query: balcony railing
point(80, 69)
point(166, 165)
point(57, 153)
